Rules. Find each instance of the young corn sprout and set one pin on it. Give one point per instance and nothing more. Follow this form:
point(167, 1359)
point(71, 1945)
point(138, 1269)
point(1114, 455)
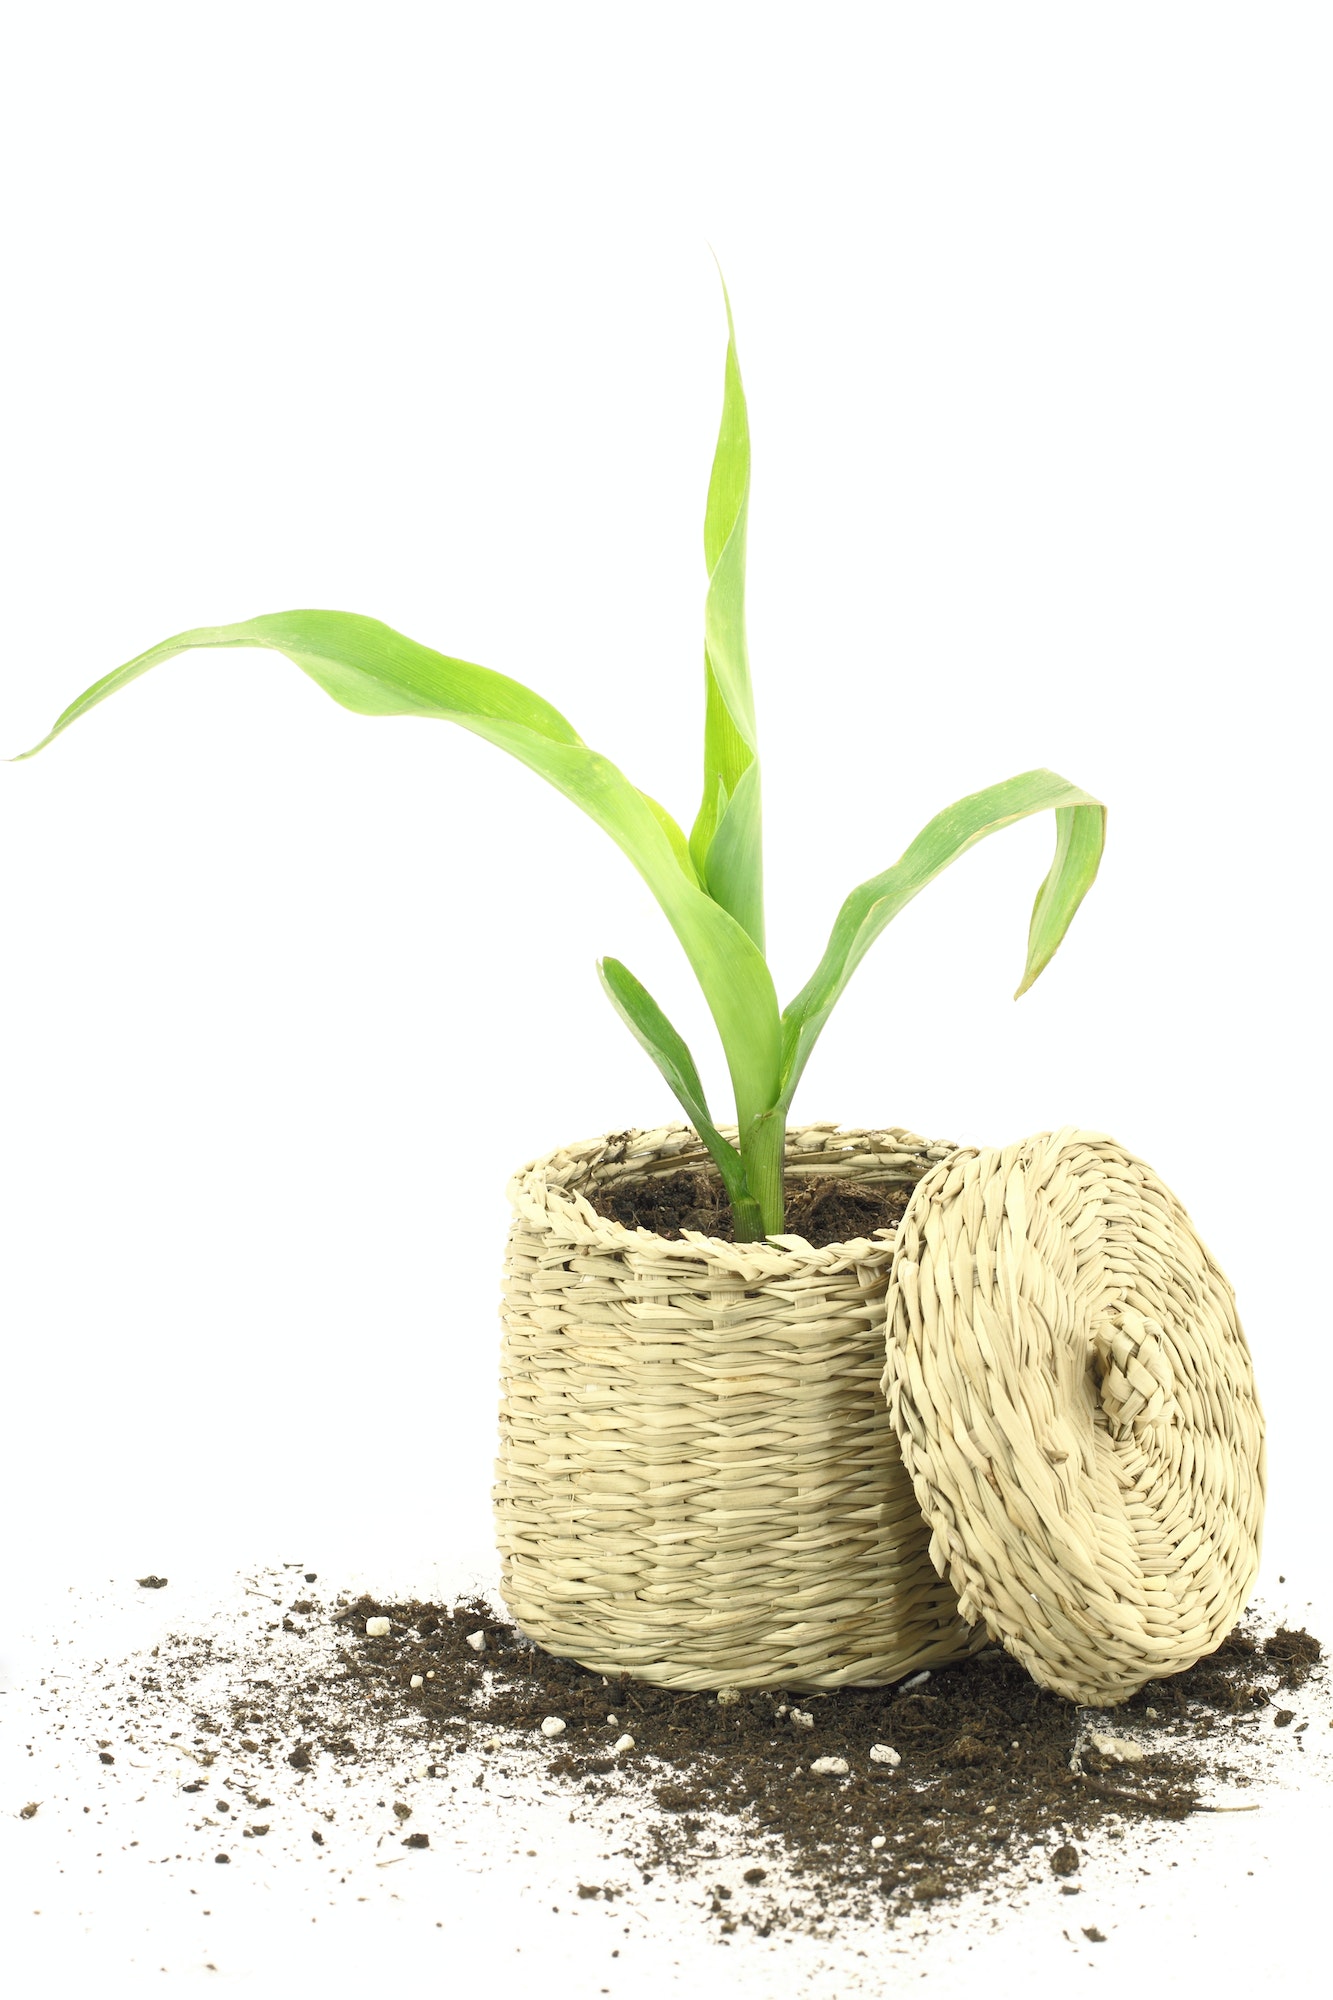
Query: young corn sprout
point(711, 885)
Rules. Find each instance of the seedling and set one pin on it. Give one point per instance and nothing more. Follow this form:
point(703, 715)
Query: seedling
point(710, 886)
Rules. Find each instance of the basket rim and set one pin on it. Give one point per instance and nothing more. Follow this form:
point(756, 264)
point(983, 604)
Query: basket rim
point(539, 1198)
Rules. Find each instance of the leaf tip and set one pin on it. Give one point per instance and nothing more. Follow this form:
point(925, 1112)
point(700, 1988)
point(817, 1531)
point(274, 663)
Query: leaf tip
point(726, 295)
point(1032, 972)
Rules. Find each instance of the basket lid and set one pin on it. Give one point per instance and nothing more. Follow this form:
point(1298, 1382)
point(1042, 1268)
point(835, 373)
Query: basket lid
point(1076, 1408)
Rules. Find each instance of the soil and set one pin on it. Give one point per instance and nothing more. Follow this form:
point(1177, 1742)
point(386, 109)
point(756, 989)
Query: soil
point(784, 1812)
point(990, 1767)
point(988, 1777)
point(1292, 1655)
point(823, 1210)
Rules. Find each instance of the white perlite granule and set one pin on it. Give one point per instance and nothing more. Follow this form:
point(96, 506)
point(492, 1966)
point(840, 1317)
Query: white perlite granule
point(830, 1767)
point(416, 1681)
point(553, 1726)
point(477, 1641)
point(1122, 1749)
point(377, 1628)
point(883, 1753)
point(803, 1718)
point(622, 1744)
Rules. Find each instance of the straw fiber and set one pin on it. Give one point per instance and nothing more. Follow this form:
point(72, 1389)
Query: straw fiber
point(698, 1484)
point(1075, 1403)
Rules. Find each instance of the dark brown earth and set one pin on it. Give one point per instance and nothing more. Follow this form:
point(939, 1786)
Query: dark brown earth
point(823, 1210)
point(985, 1784)
point(1291, 1654)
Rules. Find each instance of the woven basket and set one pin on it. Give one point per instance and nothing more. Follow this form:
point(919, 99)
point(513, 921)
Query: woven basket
point(698, 1483)
point(1076, 1405)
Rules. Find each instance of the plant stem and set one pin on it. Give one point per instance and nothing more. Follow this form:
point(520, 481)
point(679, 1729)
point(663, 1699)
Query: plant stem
point(762, 1150)
point(747, 1221)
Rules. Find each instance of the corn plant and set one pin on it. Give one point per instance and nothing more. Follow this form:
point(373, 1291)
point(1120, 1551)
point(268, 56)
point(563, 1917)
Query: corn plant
point(710, 886)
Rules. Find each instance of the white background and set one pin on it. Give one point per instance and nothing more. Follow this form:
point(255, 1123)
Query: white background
point(410, 310)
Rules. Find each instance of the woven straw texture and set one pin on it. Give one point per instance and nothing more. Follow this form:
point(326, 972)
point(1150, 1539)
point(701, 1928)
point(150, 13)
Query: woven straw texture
point(1075, 1403)
point(698, 1484)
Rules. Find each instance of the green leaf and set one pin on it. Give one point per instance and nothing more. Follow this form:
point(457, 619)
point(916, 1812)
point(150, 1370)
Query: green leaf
point(730, 738)
point(731, 880)
point(1080, 835)
point(364, 665)
point(373, 670)
point(680, 847)
point(652, 1030)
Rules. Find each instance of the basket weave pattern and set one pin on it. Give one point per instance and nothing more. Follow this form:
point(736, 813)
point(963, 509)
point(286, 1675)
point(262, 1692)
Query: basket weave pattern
point(698, 1484)
point(1077, 1409)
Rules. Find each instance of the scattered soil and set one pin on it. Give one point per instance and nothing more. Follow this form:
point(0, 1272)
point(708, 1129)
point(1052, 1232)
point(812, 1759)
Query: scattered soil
point(991, 1783)
point(823, 1210)
point(991, 1766)
point(968, 1780)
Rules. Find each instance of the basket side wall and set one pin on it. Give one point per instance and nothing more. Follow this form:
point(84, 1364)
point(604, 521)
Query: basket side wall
point(698, 1482)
